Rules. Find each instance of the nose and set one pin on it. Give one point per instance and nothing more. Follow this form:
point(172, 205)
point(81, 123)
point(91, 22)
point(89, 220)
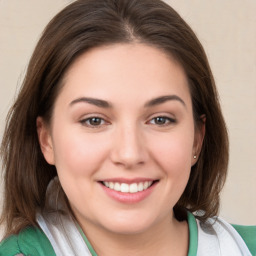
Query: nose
point(129, 147)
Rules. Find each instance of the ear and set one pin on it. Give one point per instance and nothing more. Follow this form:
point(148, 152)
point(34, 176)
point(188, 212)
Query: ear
point(45, 140)
point(198, 139)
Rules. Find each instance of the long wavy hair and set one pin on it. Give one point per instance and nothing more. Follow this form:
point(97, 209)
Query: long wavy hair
point(82, 25)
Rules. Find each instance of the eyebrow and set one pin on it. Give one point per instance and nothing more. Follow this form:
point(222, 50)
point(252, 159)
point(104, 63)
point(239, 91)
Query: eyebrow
point(93, 101)
point(106, 104)
point(163, 99)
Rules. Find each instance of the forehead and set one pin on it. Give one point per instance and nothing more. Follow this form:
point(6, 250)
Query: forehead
point(135, 71)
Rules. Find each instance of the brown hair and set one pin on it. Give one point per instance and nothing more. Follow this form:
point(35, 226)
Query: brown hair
point(80, 26)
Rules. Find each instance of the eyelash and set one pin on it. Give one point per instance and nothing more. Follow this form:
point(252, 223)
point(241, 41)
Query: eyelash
point(167, 120)
point(87, 122)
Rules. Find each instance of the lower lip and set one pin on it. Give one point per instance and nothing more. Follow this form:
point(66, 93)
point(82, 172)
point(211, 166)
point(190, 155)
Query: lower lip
point(129, 198)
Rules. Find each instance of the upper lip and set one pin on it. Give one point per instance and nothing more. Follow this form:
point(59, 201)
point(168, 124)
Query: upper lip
point(128, 181)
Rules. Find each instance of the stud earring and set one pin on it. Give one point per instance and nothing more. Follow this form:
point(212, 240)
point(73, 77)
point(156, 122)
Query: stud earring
point(194, 156)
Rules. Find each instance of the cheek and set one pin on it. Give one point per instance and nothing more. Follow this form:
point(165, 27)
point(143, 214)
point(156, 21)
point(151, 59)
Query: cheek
point(78, 154)
point(173, 153)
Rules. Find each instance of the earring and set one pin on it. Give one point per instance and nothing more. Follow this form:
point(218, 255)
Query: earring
point(194, 156)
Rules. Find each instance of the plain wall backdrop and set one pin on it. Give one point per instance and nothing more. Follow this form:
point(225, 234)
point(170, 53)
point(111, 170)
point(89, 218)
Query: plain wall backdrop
point(226, 28)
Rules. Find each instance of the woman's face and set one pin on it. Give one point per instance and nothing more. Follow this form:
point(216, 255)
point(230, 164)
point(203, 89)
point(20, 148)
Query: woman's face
point(122, 121)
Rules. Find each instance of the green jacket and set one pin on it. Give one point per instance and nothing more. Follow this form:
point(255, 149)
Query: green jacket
point(33, 242)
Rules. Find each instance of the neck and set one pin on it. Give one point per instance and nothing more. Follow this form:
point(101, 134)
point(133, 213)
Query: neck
point(167, 237)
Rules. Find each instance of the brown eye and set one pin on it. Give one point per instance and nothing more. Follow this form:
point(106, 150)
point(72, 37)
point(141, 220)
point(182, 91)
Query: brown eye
point(162, 120)
point(93, 121)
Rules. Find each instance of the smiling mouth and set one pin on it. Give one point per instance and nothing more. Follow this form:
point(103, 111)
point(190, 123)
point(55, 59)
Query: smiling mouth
point(129, 188)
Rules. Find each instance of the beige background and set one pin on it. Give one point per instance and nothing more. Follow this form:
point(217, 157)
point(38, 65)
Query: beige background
point(227, 29)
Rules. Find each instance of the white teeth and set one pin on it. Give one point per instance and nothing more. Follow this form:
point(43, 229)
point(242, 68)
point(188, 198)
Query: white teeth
point(111, 185)
point(106, 183)
point(128, 188)
point(133, 188)
point(117, 187)
point(140, 186)
point(145, 185)
point(124, 187)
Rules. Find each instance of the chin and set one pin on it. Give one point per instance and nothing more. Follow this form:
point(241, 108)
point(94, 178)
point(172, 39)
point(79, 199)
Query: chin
point(128, 225)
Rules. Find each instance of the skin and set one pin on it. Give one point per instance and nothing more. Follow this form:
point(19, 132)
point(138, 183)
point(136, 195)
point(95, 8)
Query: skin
point(127, 142)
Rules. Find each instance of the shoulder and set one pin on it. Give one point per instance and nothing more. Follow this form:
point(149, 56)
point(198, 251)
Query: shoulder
point(217, 234)
point(30, 241)
point(248, 234)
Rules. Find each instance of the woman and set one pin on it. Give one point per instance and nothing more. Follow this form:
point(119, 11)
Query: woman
point(116, 138)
